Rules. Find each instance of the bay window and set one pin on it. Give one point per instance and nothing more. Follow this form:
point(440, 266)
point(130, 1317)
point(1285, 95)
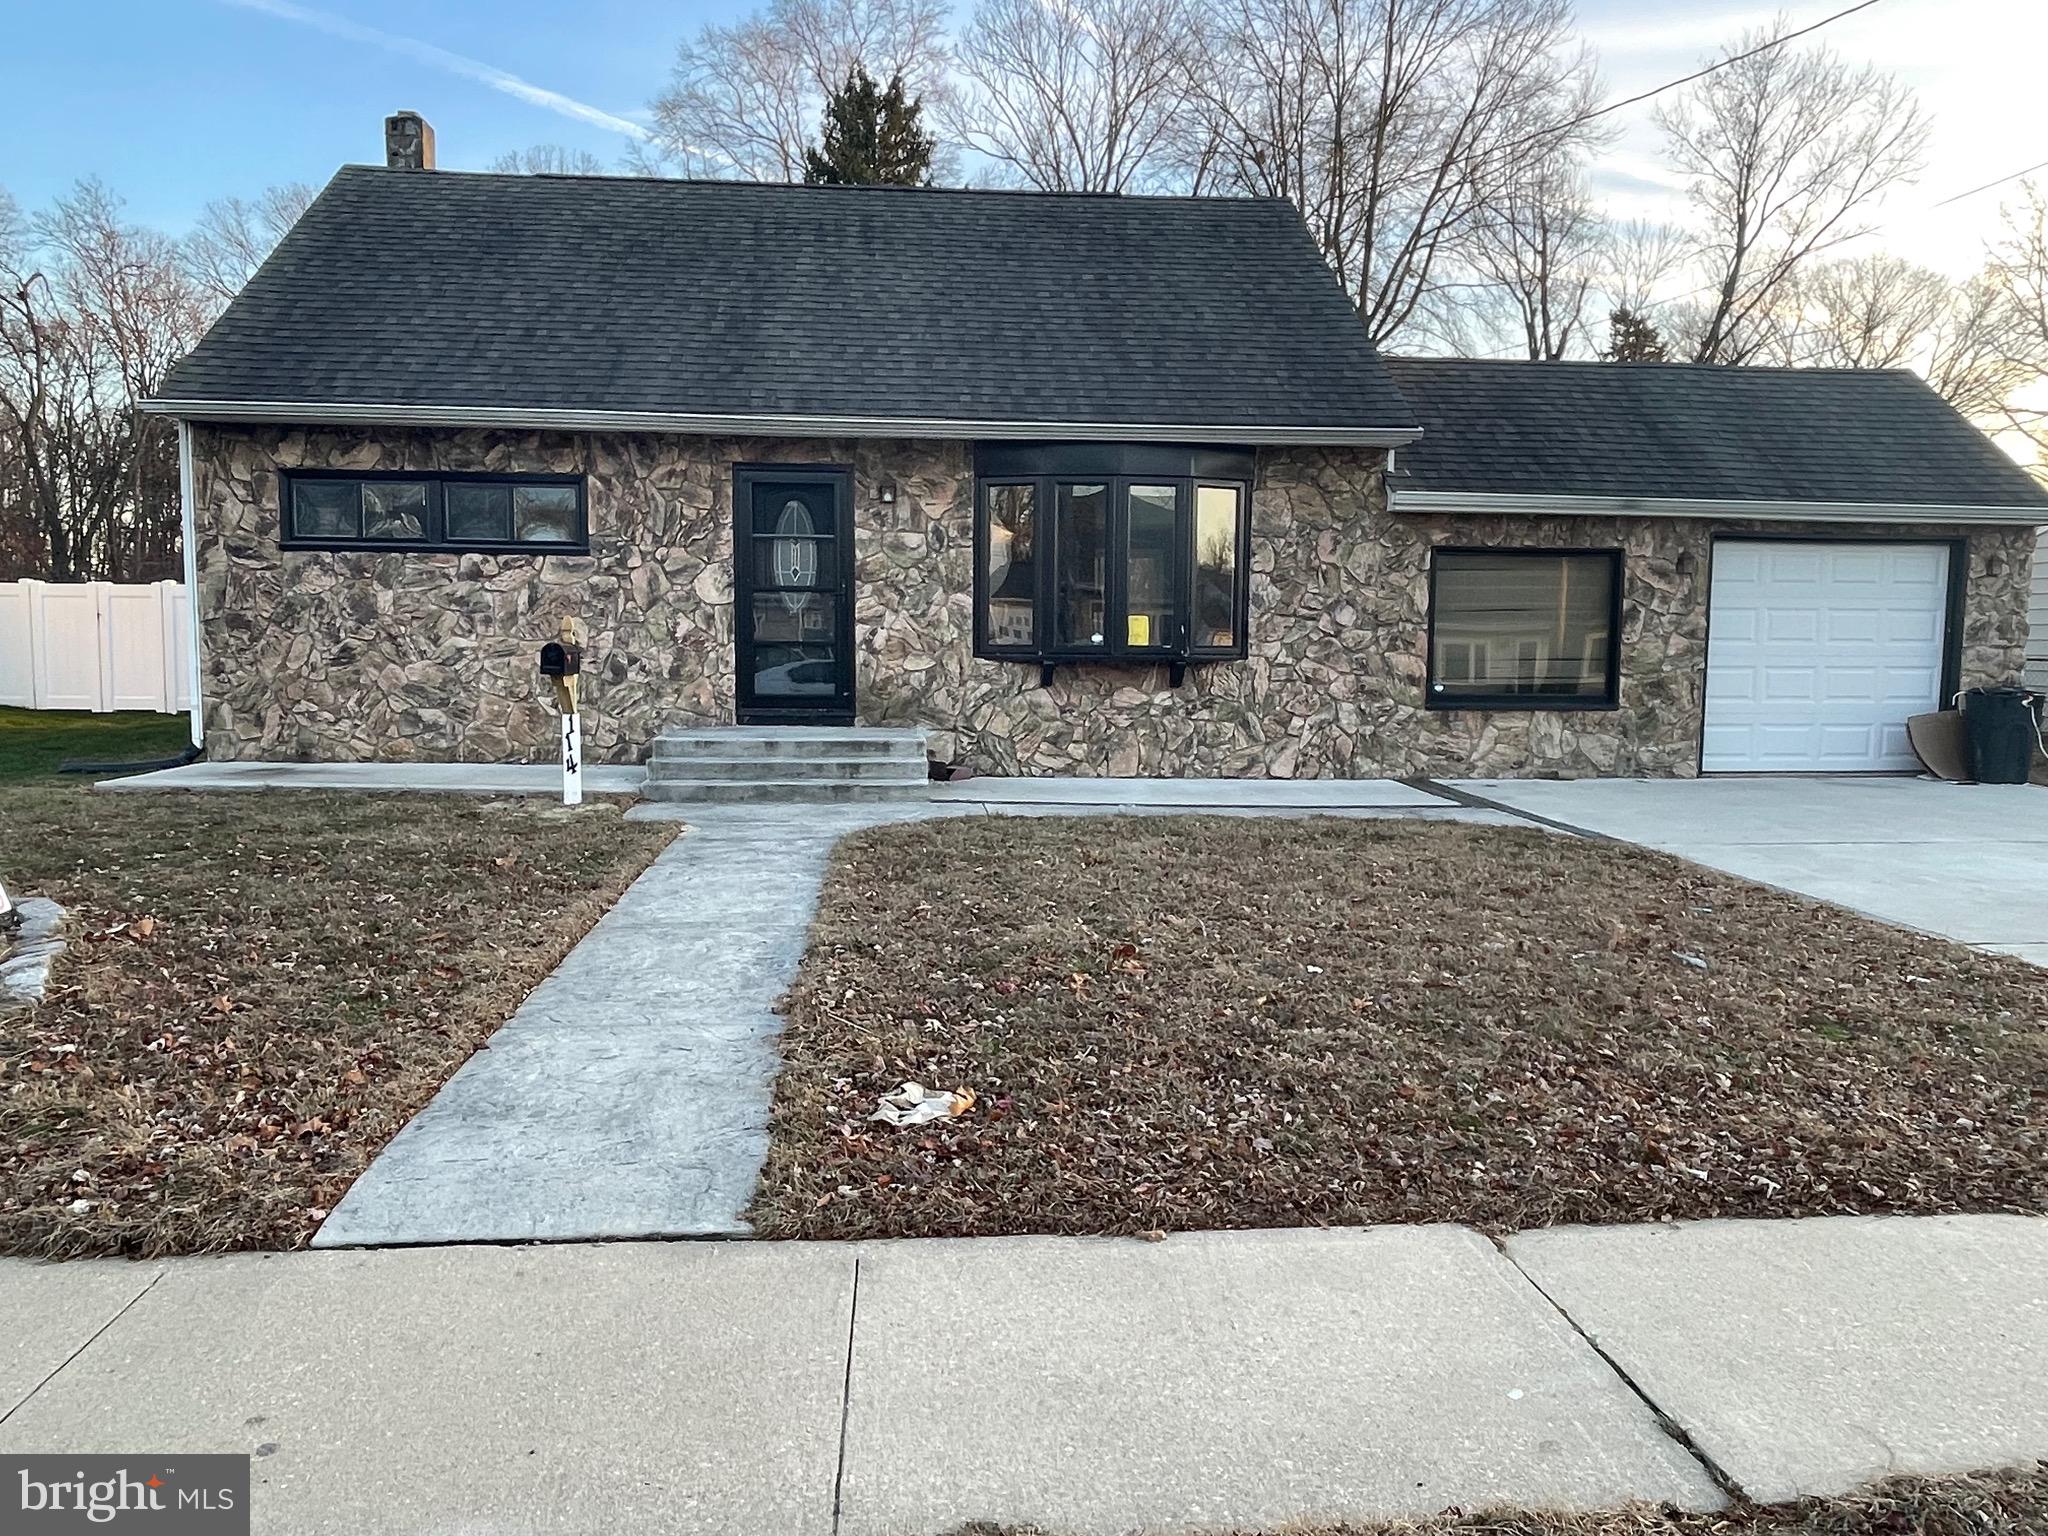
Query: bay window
point(1111, 552)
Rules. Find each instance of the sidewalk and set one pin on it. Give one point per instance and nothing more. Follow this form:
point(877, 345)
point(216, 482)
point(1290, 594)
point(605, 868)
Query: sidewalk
point(1087, 1385)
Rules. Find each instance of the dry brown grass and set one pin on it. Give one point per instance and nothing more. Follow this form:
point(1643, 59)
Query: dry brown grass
point(261, 989)
point(2010, 1503)
point(1181, 1023)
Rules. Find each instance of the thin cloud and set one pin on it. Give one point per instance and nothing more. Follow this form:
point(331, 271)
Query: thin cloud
point(442, 58)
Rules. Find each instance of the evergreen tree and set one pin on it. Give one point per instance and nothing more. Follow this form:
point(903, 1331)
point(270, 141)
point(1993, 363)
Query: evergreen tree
point(1631, 339)
point(871, 136)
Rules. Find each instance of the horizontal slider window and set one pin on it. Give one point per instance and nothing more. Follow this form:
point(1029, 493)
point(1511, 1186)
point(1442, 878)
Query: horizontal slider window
point(530, 514)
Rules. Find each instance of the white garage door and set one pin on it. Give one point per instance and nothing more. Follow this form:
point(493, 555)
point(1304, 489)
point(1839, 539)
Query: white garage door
point(1817, 653)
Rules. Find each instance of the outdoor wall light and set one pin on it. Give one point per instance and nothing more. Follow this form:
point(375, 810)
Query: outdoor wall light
point(887, 491)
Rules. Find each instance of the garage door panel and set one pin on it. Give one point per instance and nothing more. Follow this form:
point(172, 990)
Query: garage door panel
point(1791, 683)
point(1795, 624)
point(1849, 685)
point(1737, 686)
point(1791, 564)
point(1742, 626)
point(1736, 563)
point(1818, 652)
point(1913, 629)
point(1920, 564)
point(1911, 685)
point(1847, 743)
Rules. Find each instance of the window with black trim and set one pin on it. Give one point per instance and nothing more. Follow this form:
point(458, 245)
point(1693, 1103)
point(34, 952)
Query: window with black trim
point(1087, 552)
point(1524, 628)
point(397, 510)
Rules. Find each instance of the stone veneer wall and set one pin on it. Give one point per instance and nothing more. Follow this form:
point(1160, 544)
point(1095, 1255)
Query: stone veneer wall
point(382, 656)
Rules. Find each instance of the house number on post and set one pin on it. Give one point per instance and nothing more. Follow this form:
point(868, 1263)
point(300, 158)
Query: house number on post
point(560, 662)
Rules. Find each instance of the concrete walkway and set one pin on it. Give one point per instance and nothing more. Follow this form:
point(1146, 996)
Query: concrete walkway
point(628, 1096)
point(1964, 861)
point(1049, 794)
point(1227, 1380)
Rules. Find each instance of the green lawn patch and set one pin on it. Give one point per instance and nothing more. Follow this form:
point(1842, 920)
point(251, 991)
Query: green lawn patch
point(33, 742)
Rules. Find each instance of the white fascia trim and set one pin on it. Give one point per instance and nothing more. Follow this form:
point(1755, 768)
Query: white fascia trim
point(328, 414)
point(189, 529)
point(1493, 503)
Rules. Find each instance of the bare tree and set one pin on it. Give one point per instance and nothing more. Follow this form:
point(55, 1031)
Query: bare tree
point(2010, 342)
point(233, 236)
point(1637, 258)
point(744, 100)
point(548, 160)
point(1075, 95)
point(1388, 122)
point(1863, 312)
point(1786, 152)
point(92, 313)
point(1537, 249)
point(1985, 358)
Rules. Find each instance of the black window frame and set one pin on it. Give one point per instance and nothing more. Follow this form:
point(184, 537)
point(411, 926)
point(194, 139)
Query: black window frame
point(434, 539)
point(1118, 467)
point(1525, 703)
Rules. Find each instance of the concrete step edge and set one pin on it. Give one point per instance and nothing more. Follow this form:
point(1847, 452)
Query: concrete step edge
point(738, 770)
point(780, 789)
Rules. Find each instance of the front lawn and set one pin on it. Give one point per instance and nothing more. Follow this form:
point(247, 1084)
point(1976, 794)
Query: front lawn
point(33, 742)
point(261, 989)
point(1176, 1023)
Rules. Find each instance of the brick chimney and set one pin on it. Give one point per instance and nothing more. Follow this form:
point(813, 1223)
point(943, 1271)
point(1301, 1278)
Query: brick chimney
point(408, 142)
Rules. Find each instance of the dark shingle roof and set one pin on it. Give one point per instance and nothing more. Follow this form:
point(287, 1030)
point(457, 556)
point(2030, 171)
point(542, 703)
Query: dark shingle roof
point(1696, 431)
point(643, 295)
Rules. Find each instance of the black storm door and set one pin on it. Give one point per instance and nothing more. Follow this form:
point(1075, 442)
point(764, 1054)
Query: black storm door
point(793, 595)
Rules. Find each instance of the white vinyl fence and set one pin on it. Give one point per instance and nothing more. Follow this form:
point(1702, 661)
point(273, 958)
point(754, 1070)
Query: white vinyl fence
point(95, 645)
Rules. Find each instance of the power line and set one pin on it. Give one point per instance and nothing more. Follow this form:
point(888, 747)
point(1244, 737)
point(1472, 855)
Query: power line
point(1698, 74)
point(2001, 181)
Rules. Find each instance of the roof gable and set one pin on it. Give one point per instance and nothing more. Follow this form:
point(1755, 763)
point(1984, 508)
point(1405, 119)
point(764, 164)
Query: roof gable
point(1697, 432)
point(638, 295)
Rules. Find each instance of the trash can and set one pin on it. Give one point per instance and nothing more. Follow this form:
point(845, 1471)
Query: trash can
point(1999, 723)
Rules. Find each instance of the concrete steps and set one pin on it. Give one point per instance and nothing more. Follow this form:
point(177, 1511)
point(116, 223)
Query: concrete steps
point(787, 762)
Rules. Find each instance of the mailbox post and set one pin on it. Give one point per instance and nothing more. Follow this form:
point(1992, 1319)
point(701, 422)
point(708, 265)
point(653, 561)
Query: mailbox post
point(560, 662)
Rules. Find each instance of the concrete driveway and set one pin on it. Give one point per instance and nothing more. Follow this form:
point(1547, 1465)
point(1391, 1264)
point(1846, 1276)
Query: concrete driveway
point(1966, 861)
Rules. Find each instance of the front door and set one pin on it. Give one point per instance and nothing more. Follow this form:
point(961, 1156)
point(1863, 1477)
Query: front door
point(793, 595)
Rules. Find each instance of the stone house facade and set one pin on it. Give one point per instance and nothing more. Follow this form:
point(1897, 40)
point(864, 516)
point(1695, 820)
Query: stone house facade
point(1053, 481)
point(343, 656)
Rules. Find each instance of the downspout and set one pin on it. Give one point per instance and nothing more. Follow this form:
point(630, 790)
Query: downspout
point(191, 537)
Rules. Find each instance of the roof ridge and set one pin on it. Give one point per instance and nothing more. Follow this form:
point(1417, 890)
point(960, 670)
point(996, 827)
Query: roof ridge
point(866, 189)
point(1674, 364)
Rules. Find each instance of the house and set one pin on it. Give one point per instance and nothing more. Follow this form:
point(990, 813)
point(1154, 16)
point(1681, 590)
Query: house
point(1077, 483)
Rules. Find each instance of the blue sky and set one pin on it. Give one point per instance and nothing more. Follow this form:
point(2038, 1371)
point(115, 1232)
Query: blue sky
point(173, 102)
